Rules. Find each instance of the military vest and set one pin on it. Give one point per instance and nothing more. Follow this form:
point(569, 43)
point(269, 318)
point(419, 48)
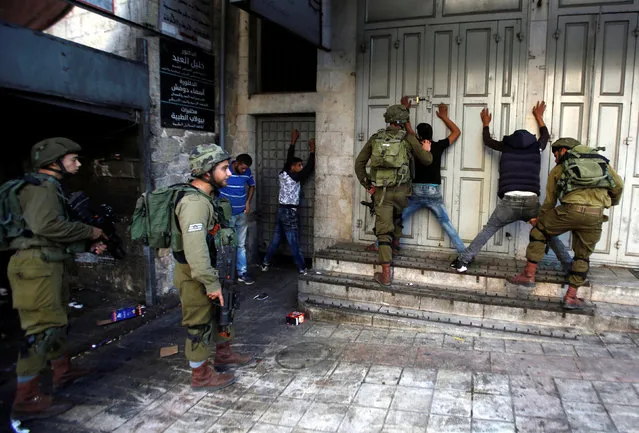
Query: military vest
point(390, 158)
point(583, 167)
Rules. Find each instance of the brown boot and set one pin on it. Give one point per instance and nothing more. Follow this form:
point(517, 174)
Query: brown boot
point(65, 373)
point(30, 403)
point(526, 278)
point(204, 377)
point(571, 301)
point(372, 247)
point(226, 357)
point(385, 277)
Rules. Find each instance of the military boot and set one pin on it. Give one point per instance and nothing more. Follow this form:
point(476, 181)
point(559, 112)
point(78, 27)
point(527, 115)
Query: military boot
point(31, 403)
point(204, 377)
point(526, 278)
point(65, 373)
point(571, 301)
point(384, 278)
point(225, 357)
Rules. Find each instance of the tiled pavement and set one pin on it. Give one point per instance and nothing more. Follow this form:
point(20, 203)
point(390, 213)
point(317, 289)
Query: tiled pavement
point(321, 377)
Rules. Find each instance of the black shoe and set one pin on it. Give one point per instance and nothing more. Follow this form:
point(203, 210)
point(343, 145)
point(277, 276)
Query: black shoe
point(459, 266)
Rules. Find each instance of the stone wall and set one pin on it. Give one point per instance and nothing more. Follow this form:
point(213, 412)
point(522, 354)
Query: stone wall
point(333, 105)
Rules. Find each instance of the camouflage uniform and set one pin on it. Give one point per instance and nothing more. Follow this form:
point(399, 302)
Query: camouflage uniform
point(390, 201)
point(581, 212)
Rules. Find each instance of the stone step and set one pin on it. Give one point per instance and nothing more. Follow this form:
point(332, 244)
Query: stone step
point(487, 274)
point(404, 298)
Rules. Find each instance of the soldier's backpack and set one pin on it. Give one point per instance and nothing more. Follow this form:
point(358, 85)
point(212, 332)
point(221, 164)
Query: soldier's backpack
point(584, 167)
point(12, 224)
point(154, 216)
point(390, 159)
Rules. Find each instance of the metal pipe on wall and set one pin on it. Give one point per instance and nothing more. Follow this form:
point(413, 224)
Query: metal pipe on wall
point(222, 74)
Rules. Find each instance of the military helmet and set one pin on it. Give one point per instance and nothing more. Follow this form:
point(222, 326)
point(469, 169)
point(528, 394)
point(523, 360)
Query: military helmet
point(206, 156)
point(567, 143)
point(50, 150)
point(396, 113)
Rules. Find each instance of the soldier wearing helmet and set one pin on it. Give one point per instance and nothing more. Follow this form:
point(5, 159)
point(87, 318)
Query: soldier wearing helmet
point(391, 152)
point(583, 196)
point(36, 273)
point(198, 213)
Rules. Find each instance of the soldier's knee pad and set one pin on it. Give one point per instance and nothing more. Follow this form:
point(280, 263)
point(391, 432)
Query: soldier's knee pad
point(536, 235)
point(200, 334)
point(48, 341)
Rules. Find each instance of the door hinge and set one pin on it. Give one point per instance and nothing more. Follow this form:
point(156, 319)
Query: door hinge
point(496, 37)
point(360, 136)
point(635, 32)
point(459, 40)
point(363, 47)
point(396, 44)
point(359, 224)
point(618, 244)
point(556, 34)
point(628, 140)
point(521, 36)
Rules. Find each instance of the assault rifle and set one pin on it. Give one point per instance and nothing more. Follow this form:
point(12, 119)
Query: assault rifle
point(370, 205)
point(224, 259)
point(102, 216)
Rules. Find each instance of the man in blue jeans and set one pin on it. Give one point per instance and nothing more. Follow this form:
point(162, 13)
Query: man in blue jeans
point(239, 191)
point(427, 181)
point(519, 186)
point(291, 178)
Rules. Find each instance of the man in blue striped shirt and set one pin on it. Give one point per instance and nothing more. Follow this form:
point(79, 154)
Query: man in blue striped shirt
point(240, 197)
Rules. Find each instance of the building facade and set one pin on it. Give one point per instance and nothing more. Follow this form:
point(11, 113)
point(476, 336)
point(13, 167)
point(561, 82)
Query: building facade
point(581, 57)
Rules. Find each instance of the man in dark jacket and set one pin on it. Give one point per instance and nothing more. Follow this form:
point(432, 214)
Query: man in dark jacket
point(519, 186)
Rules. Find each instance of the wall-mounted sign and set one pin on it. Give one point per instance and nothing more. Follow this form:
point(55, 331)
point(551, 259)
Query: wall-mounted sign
point(105, 5)
point(302, 17)
point(188, 20)
point(187, 97)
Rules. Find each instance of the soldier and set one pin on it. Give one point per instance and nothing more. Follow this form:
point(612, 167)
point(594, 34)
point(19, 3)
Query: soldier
point(584, 190)
point(391, 152)
point(195, 277)
point(36, 274)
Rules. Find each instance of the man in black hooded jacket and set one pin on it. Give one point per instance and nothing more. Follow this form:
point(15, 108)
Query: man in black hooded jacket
point(519, 185)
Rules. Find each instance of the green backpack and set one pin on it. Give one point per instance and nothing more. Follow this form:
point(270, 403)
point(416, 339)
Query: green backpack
point(12, 224)
point(154, 216)
point(583, 167)
point(390, 160)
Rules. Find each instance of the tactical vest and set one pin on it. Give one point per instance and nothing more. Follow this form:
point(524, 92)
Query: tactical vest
point(390, 158)
point(583, 167)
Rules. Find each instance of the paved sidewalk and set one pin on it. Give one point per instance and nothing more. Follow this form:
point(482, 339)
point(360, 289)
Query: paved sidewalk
point(346, 378)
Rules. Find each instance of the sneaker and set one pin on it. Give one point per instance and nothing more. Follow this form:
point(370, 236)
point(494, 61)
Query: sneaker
point(302, 271)
point(264, 267)
point(459, 266)
point(246, 279)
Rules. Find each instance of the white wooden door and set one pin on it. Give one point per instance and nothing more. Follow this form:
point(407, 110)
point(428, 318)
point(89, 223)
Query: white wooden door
point(593, 93)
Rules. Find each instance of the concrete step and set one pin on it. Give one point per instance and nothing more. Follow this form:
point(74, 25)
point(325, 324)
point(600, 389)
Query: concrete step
point(408, 300)
point(487, 274)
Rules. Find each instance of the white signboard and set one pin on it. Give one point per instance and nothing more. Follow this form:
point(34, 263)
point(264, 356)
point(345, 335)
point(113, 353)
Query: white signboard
point(188, 20)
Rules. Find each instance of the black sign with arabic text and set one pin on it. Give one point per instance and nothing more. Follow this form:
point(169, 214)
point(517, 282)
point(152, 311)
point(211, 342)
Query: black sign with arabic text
point(187, 89)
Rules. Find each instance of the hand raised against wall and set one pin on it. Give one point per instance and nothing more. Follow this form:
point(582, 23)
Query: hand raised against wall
point(442, 111)
point(311, 144)
point(295, 134)
point(486, 117)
